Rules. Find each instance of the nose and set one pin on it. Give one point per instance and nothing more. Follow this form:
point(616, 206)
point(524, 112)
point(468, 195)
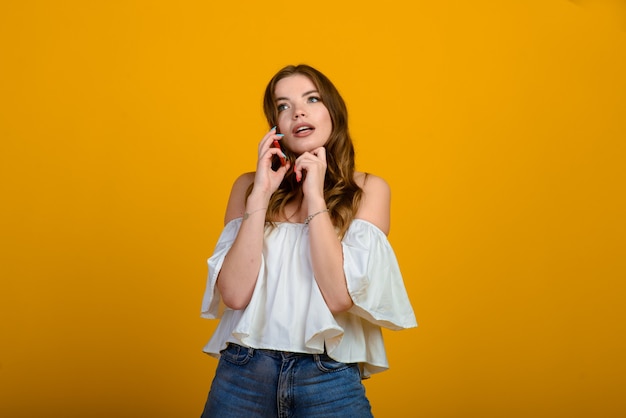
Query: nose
point(298, 112)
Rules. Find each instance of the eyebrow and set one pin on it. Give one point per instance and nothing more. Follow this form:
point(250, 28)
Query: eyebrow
point(303, 95)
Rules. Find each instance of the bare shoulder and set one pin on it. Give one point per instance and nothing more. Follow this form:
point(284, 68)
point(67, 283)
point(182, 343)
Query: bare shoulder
point(371, 183)
point(376, 202)
point(237, 200)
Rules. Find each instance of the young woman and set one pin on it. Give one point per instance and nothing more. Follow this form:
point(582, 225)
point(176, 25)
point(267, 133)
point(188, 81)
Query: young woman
point(302, 277)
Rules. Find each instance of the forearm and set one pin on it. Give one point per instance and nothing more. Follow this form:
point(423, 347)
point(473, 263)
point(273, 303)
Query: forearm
point(327, 260)
point(240, 269)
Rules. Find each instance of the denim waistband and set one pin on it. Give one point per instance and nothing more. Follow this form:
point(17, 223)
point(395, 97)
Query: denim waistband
point(276, 353)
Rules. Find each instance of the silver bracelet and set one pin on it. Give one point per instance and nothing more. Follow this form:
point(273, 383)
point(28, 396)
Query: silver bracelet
point(246, 215)
point(308, 218)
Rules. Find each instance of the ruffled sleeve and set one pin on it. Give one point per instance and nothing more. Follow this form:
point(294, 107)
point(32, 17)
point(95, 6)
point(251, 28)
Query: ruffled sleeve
point(212, 308)
point(374, 279)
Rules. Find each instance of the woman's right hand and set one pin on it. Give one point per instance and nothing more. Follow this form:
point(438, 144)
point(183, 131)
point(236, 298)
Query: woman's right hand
point(266, 180)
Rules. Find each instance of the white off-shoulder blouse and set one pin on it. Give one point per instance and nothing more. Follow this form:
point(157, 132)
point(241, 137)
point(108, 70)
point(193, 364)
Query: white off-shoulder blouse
point(287, 311)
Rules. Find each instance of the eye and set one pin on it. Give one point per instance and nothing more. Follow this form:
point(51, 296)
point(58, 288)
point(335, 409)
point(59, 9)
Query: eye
point(314, 99)
point(282, 106)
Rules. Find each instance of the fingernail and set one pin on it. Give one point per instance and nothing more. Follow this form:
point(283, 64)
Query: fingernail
point(280, 135)
point(273, 128)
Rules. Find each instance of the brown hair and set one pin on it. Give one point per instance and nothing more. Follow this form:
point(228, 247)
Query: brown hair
point(341, 193)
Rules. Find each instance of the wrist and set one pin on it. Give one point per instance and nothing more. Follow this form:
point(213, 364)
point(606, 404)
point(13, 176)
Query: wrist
point(316, 204)
point(257, 199)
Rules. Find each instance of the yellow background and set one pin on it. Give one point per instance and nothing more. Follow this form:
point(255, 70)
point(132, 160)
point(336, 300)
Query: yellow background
point(500, 126)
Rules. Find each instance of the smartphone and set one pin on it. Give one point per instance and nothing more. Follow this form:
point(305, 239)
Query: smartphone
point(278, 160)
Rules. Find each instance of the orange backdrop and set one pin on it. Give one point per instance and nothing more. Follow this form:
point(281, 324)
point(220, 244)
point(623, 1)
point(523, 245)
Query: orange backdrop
point(500, 127)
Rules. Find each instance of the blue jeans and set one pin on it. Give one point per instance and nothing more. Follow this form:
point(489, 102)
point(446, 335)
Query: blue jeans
point(253, 383)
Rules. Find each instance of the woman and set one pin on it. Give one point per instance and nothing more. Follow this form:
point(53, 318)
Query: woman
point(302, 276)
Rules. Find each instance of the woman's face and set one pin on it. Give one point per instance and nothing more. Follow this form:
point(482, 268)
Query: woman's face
point(302, 117)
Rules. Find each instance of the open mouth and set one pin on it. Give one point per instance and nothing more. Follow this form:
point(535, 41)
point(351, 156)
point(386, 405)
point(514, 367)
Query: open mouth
point(303, 130)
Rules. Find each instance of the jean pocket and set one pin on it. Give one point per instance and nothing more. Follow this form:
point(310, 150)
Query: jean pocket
point(236, 354)
point(328, 365)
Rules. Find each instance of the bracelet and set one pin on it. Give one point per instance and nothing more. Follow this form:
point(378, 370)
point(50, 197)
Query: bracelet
point(308, 218)
point(246, 215)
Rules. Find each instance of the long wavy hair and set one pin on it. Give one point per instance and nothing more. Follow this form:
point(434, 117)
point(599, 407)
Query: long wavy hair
point(341, 192)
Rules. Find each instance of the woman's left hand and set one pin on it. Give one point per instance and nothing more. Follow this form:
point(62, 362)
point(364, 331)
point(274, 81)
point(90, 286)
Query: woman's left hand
point(313, 164)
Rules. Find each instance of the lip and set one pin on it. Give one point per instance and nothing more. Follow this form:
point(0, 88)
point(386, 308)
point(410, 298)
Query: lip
point(304, 133)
